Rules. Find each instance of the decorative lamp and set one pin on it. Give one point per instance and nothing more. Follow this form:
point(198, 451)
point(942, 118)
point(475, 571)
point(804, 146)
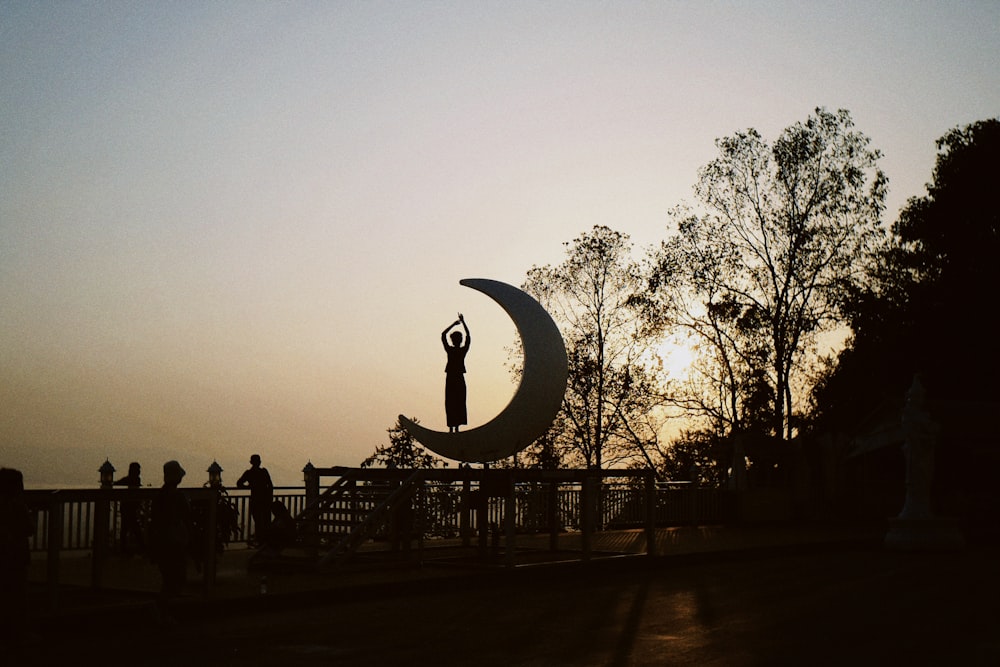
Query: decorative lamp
point(107, 474)
point(215, 475)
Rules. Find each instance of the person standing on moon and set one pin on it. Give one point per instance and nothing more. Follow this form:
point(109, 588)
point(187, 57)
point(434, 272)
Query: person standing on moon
point(454, 386)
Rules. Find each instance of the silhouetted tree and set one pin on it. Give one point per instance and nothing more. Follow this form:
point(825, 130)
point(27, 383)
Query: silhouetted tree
point(596, 297)
point(928, 308)
point(403, 451)
point(546, 453)
point(757, 275)
point(698, 456)
point(948, 242)
point(928, 302)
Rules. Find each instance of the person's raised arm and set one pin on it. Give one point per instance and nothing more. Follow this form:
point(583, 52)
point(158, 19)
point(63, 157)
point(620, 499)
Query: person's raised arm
point(444, 334)
point(468, 336)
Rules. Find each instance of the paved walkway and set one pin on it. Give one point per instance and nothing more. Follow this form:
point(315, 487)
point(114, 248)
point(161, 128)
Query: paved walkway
point(749, 596)
point(129, 583)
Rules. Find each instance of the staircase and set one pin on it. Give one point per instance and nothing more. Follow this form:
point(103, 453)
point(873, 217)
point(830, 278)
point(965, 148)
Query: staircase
point(351, 511)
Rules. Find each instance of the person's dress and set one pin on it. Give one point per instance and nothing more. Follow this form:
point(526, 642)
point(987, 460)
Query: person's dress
point(454, 387)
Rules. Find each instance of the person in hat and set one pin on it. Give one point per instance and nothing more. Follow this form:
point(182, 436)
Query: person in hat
point(170, 532)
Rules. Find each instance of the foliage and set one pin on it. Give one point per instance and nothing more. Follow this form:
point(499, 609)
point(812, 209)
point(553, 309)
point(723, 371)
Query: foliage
point(546, 453)
point(403, 452)
point(929, 297)
point(756, 277)
point(226, 524)
point(948, 243)
point(596, 297)
point(696, 456)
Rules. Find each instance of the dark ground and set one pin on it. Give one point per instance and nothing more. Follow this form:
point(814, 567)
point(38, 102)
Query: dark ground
point(835, 605)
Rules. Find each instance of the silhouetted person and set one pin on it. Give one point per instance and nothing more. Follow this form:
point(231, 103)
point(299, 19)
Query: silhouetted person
point(131, 527)
point(454, 385)
point(16, 526)
point(170, 532)
point(133, 479)
point(283, 532)
point(261, 496)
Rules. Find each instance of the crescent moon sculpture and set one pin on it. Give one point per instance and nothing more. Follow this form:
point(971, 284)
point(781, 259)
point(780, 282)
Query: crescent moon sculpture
point(537, 399)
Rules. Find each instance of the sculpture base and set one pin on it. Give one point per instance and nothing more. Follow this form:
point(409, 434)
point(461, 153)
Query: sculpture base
point(930, 534)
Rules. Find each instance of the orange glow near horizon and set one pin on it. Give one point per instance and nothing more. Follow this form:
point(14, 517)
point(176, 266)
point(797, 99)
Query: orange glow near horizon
point(223, 236)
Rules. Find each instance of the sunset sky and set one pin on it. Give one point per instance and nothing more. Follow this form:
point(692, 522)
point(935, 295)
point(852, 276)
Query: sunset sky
point(239, 227)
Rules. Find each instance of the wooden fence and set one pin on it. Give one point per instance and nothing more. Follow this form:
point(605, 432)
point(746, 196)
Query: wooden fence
point(72, 518)
point(78, 512)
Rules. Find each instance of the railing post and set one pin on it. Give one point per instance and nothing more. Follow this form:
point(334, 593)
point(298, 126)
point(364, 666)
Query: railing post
point(586, 515)
point(650, 488)
point(465, 519)
point(418, 518)
point(55, 534)
point(696, 502)
point(553, 512)
point(510, 519)
point(311, 528)
point(211, 530)
point(102, 510)
point(483, 512)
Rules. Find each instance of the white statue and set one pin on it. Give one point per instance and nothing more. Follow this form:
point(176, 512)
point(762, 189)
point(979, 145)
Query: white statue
point(919, 436)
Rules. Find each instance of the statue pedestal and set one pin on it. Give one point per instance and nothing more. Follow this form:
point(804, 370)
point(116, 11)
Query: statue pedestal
point(925, 534)
point(916, 529)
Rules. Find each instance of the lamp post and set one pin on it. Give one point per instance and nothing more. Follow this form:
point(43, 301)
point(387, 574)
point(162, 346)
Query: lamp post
point(215, 475)
point(311, 480)
point(310, 529)
point(102, 524)
point(107, 474)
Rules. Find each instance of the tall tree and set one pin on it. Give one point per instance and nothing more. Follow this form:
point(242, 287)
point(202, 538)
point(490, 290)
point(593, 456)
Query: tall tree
point(929, 309)
point(928, 303)
point(948, 242)
point(758, 274)
point(596, 297)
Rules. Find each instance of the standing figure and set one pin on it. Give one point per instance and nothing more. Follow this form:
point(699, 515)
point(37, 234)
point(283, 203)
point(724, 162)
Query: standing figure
point(283, 532)
point(170, 532)
point(454, 387)
point(16, 526)
point(131, 526)
point(261, 495)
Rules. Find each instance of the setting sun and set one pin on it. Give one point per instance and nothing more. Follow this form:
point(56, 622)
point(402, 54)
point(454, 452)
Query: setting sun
point(674, 355)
